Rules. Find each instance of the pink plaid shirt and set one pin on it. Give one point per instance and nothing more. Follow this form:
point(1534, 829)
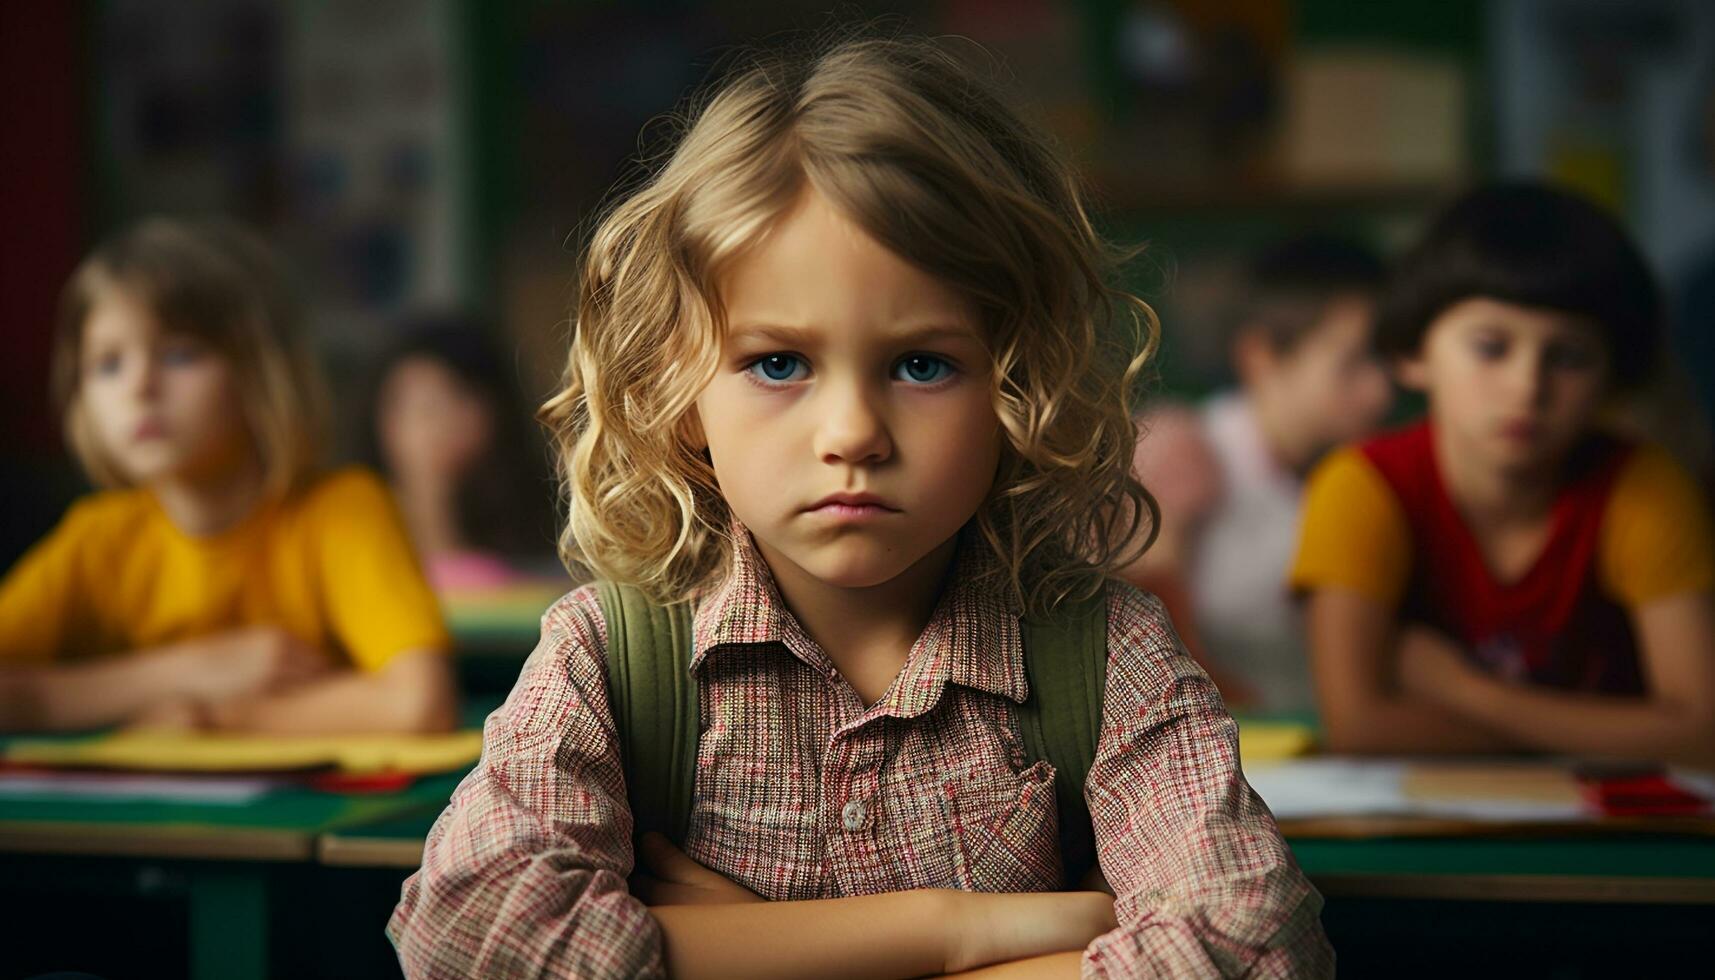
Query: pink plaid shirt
point(803, 792)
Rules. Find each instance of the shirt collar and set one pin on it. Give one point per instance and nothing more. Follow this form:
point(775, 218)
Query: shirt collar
point(745, 609)
point(972, 637)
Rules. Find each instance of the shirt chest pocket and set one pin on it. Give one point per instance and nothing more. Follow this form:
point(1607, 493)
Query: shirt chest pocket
point(1002, 829)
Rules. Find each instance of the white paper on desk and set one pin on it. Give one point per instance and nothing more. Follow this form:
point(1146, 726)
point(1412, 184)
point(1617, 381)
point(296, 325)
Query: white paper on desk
point(1340, 787)
point(1698, 782)
point(131, 788)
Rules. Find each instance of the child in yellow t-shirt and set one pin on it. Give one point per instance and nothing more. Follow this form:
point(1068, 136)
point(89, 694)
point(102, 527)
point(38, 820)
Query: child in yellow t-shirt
point(1503, 575)
point(222, 581)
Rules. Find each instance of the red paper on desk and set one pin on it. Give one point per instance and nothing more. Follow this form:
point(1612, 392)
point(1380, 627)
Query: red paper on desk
point(1644, 795)
point(380, 782)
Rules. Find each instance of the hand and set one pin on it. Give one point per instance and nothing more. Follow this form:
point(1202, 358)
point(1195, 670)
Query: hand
point(252, 661)
point(675, 879)
point(1432, 667)
point(997, 928)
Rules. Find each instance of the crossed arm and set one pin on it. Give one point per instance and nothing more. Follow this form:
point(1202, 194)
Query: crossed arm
point(503, 894)
point(259, 679)
point(714, 927)
point(1384, 690)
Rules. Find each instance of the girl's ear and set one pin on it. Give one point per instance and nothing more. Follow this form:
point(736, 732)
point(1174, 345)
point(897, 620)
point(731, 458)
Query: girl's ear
point(1411, 372)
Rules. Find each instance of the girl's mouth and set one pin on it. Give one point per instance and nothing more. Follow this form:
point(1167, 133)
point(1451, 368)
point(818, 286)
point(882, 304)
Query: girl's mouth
point(853, 511)
point(852, 506)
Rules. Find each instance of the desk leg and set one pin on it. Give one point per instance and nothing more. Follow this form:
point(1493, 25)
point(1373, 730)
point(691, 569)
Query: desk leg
point(229, 923)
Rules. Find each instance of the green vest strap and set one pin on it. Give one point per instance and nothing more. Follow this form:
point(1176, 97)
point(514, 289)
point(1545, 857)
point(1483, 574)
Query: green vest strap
point(1066, 660)
point(654, 702)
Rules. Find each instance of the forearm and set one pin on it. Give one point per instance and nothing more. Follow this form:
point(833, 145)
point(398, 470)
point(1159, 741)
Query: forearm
point(1356, 647)
point(1633, 728)
point(901, 934)
point(415, 694)
point(897, 934)
point(95, 695)
point(1050, 967)
point(1384, 724)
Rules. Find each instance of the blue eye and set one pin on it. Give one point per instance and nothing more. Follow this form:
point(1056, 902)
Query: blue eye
point(922, 369)
point(777, 368)
point(106, 364)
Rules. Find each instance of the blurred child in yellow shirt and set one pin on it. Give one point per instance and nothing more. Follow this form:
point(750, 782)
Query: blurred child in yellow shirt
point(221, 581)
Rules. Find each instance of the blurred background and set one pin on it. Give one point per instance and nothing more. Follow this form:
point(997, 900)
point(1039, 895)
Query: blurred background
point(443, 156)
point(429, 167)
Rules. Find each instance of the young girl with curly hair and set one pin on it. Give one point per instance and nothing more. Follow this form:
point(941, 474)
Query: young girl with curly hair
point(849, 378)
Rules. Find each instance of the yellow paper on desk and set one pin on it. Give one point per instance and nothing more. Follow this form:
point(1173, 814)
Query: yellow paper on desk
point(203, 752)
point(1262, 742)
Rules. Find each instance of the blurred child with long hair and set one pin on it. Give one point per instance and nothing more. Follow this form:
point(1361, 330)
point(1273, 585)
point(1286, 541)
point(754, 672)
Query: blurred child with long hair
point(450, 434)
point(223, 580)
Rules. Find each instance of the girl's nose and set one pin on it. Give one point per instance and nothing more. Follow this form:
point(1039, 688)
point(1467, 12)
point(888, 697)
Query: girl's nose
point(850, 429)
point(146, 376)
point(1530, 377)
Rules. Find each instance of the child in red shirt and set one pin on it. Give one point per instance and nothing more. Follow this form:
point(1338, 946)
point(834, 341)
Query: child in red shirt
point(1503, 575)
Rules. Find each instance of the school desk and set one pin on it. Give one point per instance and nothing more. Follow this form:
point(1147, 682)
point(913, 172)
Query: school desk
point(1454, 862)
point(496, 638)
point(224, 857)
point(226, 861)
point(1414, 897)
point(1628, 859)
point(1414, 905)
point(1541, 866)
point(1638, 860)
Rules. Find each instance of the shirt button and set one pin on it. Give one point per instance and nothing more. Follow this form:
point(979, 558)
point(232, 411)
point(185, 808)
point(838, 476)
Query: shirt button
point(852, 816)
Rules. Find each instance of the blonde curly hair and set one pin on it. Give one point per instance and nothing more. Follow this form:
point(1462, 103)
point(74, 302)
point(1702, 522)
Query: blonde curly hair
point(912, 146)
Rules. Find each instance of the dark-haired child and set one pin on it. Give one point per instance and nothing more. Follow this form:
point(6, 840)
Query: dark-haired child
point(1229, 474)
point(450, 434)
point(1504, 575)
